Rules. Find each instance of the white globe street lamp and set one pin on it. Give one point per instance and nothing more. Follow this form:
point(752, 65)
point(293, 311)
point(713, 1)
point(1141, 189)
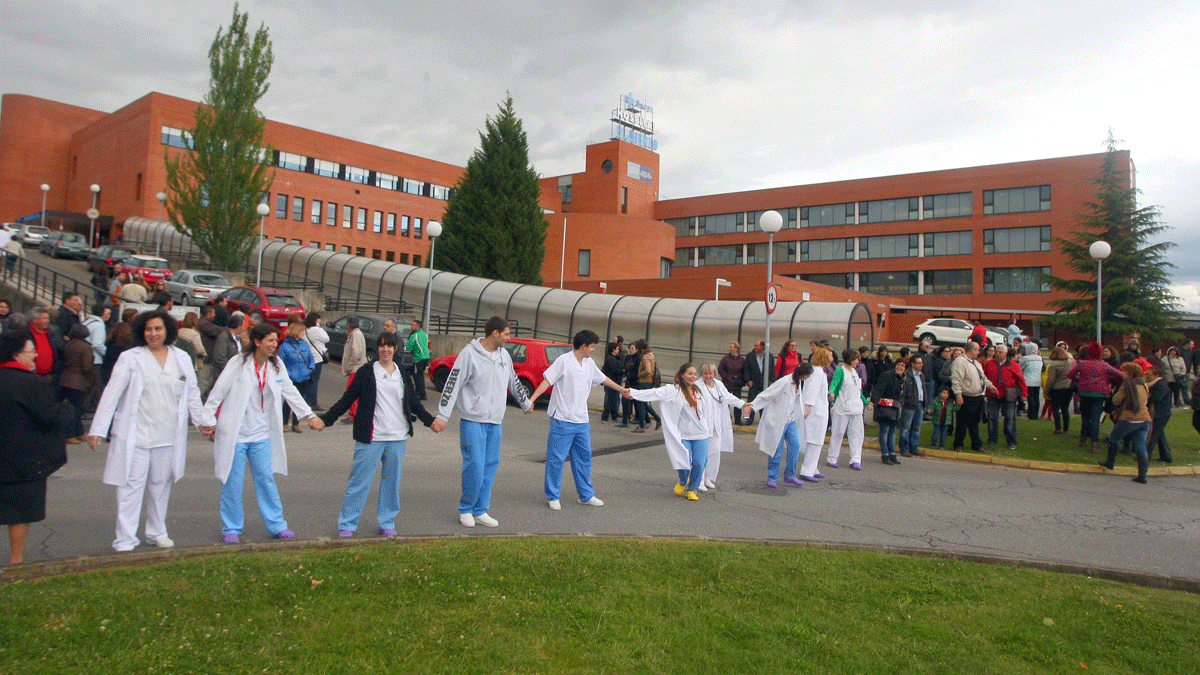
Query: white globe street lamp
point(161, 197)
point(434, 230)
point(1100, 250)
point(45, 189)
point(92, 231)
point(769, 222)
point(263, 210)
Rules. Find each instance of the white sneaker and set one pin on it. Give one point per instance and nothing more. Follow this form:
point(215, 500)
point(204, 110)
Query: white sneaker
point(711, 484)
point(485, 519)
point(703, 487)
point(164, 542)
point(554, 504)
point(466, 520)
point(594, 501)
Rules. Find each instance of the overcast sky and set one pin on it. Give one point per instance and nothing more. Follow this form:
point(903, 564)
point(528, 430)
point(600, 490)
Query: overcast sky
point(746, 95)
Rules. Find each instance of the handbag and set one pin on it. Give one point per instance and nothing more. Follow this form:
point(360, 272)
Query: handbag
point(886, 412)
point(1012, 394)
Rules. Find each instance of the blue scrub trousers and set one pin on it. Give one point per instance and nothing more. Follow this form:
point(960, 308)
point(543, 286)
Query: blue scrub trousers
point(480, 445)
point(791, 438)
point(368, 457)
point(698, 451)
point(575, 439)
point(258, 454)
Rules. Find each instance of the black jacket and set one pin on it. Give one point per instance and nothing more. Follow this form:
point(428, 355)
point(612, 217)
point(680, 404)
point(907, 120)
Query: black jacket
point(1160, 399)
point(34, 427)
point(910, 390)
point(753, 374)
point(888, 385)
point(362, 389)
point(613, 369)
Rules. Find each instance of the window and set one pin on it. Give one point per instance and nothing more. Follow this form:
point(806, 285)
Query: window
point(825, 216)
point(889, 210)
point(331, 214)
point(360, 251)
point(416, 228)
point(137, 189)
point(827, 249)
point(403, 226)
point(439, 192)
point(683, 257)
point(416, 261)
point(1016, 200)
point(756, 253)
point(314, 244)
point(324, 168)
point(376, 254)
point(176, 138)
point(347, 215)
point(403, 258)
point(838, 280)
point(413, 187)
point(297, 208)
point(281, 202)
point(566, 193)
point(377, 224)
point(391, 224)
point(948, 243)
point(297, 242)
point(390, 256)
point(789, 219)
point(362, 219)
point(785, 251)
point(888, 246)
point(1015, 280)
point(683, 226)
point(719, 255)
point(947, 206)
point(315, 212)
point(948, 282)
point(387, 181)
point(624, 200)
point(345, 249)
point(292, 161)
point(281, 240)
point(330, 247)
point(1017, 239)
point(888, 283)
point(664, 268)
point(585, 262)
point(723, 223)
point(356, 175)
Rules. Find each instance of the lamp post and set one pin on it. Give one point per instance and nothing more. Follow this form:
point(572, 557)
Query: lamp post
point(161, 197)
point(45, 189)
point(720, 283)
point(434, 230)
point(91, 214)
point(263, 210)
point(1100, 250)
point(769, 222)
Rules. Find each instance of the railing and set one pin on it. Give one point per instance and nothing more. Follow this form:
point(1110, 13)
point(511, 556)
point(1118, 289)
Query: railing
point(372, 305)
point(44, 285)
point(439, 324)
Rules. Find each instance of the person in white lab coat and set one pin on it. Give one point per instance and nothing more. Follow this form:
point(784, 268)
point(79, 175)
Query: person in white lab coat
point(781, 409)
point(816, 414)
point(716, 397)
point(849, 406)
point(685, 430)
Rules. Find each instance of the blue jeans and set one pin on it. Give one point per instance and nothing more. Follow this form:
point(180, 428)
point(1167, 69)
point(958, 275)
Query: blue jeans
point(1091, 411)
point(791, 438)
point(480, 445)
point(258, 454)
point(367, 457)
point(316, 381)
point(910, 430)
point(612, 405)
point(998, 408)
point(887, 439)
point(941, 432)
point(1136, 431)
point(575, 439)
point(698, 451)
point(643, 409)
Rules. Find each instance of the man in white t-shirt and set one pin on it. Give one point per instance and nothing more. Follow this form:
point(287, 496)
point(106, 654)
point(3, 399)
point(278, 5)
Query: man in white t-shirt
point(572, 375)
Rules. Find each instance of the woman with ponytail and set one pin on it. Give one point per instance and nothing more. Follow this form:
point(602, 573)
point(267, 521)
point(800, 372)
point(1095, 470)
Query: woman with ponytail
point(685, 429)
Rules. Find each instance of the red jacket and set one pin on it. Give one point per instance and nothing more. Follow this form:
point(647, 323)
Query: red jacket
point(1004, 377)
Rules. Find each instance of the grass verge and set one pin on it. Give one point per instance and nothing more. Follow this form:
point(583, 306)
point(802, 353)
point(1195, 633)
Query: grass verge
point(589, 606)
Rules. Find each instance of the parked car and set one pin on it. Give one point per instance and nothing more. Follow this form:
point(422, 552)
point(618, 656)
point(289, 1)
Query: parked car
point(275, 305)
point(12, 228)
point(151, 269)
point(31, 235)
point(65, 245)
point(371, 325)
point(948, 331)
point(193, 288)
point(530, 358)
point(104, 257)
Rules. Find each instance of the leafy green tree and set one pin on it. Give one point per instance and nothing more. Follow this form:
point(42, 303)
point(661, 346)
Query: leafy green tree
point(1136, 277)
point(493, 226)
point(214, 187)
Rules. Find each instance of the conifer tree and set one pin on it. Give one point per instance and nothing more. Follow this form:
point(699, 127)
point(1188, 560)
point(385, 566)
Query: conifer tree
point(493, 226)
point(1137, 295)
point(214, 186)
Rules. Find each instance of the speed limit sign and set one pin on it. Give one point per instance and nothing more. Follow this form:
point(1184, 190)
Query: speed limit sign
point(772, 297)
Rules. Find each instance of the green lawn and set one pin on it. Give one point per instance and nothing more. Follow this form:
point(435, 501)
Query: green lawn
point(546, 605)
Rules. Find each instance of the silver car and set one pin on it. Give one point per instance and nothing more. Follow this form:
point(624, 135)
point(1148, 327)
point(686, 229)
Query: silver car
point(31, 235)
point(193, 288)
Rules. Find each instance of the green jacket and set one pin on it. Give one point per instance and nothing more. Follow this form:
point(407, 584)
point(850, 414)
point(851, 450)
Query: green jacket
point(935, 410)
point(418, 345)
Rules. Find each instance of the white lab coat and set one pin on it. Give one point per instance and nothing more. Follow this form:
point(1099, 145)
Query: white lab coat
point(118, 409)
point(231, 394)
point(815, 393)
point(778, 404)
point(716, 398)
point(674, 405)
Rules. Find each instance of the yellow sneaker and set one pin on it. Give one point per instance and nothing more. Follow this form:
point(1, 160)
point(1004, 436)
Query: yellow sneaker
point(679, 489)
point(691, 496)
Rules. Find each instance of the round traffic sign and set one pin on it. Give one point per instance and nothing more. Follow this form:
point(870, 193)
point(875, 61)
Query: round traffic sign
point(93, 214)
point(772, 297)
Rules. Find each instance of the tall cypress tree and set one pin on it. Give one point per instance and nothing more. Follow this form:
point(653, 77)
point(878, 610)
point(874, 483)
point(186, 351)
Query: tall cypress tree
point(1136, 277)
point(493, 226)
point(214, 188)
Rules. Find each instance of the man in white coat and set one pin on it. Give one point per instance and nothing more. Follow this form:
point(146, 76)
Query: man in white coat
point(481, 374)
point(572, 375)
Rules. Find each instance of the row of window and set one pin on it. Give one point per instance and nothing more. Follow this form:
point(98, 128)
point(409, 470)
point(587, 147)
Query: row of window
point(955, 205)
point(178, 138)
point(378, 254)
point(381, 222)
point(938, 282)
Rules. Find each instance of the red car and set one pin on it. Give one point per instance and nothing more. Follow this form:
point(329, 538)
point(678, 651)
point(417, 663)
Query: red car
point(151, 269)
point(530, 358)
point(275, 305)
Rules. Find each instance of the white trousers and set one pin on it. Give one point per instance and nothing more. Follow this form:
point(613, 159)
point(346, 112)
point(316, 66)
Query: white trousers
point(149, 477)
point(812, 452)
point(850, 426)
point(714, 461)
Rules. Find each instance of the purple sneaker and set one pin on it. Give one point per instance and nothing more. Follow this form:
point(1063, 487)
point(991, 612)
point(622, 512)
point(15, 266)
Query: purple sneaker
point(792, 480)
point(771, 484)
point(818, 475)
point(856, 466)
point(286, 534)
point(345, 534)
point(232, 539)
point(811, 479)
point(832, 465)
point(387, 531)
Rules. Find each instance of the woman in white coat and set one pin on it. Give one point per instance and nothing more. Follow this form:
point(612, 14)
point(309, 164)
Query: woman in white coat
point(685, 429)
point(816, 414)
point(846, 412)
point(148, 450)
point(781, 423)
point(716, 397)
point(247, 400)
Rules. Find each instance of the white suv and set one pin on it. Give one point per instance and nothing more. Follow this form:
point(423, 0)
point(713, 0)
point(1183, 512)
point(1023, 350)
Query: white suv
point(948, 331)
